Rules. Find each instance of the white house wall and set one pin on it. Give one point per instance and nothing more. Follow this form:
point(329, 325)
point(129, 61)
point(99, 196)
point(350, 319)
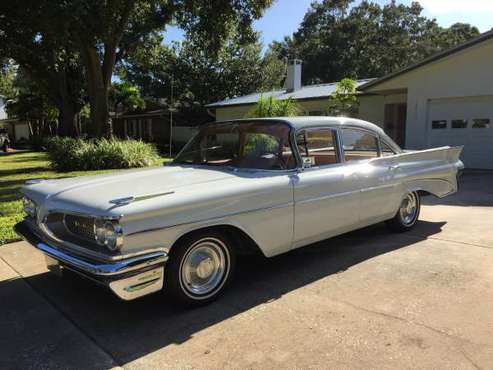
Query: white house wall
point(3, 113)
point(468, 73)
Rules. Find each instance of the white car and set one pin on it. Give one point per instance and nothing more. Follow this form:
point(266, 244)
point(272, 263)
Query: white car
point(268, 185)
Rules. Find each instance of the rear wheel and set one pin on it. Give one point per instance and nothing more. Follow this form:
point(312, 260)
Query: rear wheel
point(200, 267)
point(407, 215)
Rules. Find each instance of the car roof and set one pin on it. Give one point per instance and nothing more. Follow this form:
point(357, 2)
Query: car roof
point(302, 122)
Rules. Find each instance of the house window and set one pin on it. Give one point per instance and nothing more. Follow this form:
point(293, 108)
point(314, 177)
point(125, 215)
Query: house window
point(439, 124)
point(317, 147)
point(139, 128)
point(459, 123)
point(149, 129)
point(359, 145)
point(481, 123)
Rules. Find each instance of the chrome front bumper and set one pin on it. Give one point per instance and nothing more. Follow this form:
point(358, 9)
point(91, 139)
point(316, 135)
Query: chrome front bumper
point(128, 278)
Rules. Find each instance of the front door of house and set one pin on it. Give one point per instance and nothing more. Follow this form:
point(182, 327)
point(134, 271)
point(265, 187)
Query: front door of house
point(395, 122)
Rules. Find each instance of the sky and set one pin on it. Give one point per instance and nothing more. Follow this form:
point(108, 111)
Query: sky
point(284, 17)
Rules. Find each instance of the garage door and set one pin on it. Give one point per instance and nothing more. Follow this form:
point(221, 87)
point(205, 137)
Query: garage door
point(463, 121)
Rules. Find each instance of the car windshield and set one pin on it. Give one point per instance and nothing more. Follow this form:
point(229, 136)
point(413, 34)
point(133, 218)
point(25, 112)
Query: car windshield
point(256, 145)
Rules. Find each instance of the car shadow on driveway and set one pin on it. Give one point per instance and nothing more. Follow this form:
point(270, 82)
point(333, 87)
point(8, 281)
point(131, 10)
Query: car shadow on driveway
point(130, 330)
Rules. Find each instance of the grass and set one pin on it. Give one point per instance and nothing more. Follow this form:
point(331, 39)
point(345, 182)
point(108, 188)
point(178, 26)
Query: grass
point(15, 169)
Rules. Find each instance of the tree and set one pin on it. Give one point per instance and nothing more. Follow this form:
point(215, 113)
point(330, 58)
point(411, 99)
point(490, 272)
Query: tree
point(337, 39)
point(32, 106)
point(7, 78)
point(344, 101)
point(236, 69)
point(106, 31)
point(126, 95)
point(269, 106)
point(200, 76)
point(34, 37)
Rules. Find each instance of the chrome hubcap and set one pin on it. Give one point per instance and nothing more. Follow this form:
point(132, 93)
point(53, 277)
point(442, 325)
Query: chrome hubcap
point(409, 208)
point(204, 267)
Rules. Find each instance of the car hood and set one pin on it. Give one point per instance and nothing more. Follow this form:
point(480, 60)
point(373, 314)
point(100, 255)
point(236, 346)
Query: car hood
point(103, 194)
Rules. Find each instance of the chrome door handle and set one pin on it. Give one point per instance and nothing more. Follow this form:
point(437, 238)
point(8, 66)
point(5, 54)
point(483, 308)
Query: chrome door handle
point(394, 167)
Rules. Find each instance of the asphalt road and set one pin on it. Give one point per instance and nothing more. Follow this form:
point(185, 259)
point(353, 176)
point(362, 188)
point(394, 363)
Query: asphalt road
point(368, 299)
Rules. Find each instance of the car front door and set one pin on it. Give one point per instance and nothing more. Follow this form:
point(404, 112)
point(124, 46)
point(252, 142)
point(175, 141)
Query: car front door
point(326, 193)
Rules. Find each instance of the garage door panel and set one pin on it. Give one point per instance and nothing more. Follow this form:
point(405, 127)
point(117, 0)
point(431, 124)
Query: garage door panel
point(478, 142)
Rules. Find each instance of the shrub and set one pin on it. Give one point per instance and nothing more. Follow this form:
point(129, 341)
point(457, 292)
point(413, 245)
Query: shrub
point(68, 154)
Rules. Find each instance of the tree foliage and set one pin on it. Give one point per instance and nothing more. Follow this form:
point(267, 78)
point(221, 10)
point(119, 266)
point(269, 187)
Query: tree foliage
point(126, 96)
point(339, 39)
point(7, 79)
point(269, 106)
point(344, 101)
point(199, 75)
point(32, 34)
point(106, 31)
point(60, 36)
point(28, 103)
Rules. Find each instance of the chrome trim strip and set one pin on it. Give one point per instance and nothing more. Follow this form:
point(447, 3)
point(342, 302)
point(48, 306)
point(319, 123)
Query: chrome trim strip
point(331, 196)
point(75, 213)
point(130, 199)
point(107, 269)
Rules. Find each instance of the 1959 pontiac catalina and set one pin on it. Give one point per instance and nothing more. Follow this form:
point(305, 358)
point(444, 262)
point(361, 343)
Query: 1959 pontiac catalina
point(269, 185)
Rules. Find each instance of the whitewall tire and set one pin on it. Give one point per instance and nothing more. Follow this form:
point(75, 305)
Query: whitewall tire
point(200, 268)
point(407, 215)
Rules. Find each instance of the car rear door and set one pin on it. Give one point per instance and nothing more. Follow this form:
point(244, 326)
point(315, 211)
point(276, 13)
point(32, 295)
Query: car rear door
point(375, 174)
point(326, 193)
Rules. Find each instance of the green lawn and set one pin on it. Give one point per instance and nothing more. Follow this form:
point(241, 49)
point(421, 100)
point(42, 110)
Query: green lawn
point(15, 170)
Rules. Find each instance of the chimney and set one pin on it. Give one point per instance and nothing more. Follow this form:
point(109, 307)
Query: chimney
point(293, 79)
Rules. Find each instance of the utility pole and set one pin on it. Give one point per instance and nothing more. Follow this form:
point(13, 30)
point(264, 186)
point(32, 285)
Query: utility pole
point(172, 107)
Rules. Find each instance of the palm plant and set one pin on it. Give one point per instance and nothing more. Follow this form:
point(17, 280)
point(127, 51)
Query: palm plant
point(271, 107)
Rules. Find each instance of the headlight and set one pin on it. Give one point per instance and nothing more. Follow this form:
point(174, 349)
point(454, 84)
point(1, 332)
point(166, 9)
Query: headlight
point(109, 233)
point(29, 207)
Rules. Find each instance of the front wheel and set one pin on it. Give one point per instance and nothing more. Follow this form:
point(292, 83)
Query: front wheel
point(200, 267)
point(407, 215)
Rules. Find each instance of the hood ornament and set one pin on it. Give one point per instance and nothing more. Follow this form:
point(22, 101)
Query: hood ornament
point(127, 200)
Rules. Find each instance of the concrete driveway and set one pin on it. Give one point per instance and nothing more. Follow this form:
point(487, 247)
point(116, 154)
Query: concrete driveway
point(368, 299)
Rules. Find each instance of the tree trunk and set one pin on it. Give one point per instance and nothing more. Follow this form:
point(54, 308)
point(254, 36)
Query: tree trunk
point(66, 107)
point(99, 82)
point(67, 120)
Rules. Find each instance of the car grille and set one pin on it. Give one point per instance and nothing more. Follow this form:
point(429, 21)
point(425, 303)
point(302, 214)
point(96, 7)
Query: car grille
point(80, 226)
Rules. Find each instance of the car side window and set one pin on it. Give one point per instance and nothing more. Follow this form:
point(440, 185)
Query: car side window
point(359, 144)
point(317, 147)
point(386, 150)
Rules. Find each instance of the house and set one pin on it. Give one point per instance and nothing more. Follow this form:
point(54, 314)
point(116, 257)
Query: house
point(155, 125)
point(312, 99)
point(446, 99)
point(18, 130)
point(3, 113)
